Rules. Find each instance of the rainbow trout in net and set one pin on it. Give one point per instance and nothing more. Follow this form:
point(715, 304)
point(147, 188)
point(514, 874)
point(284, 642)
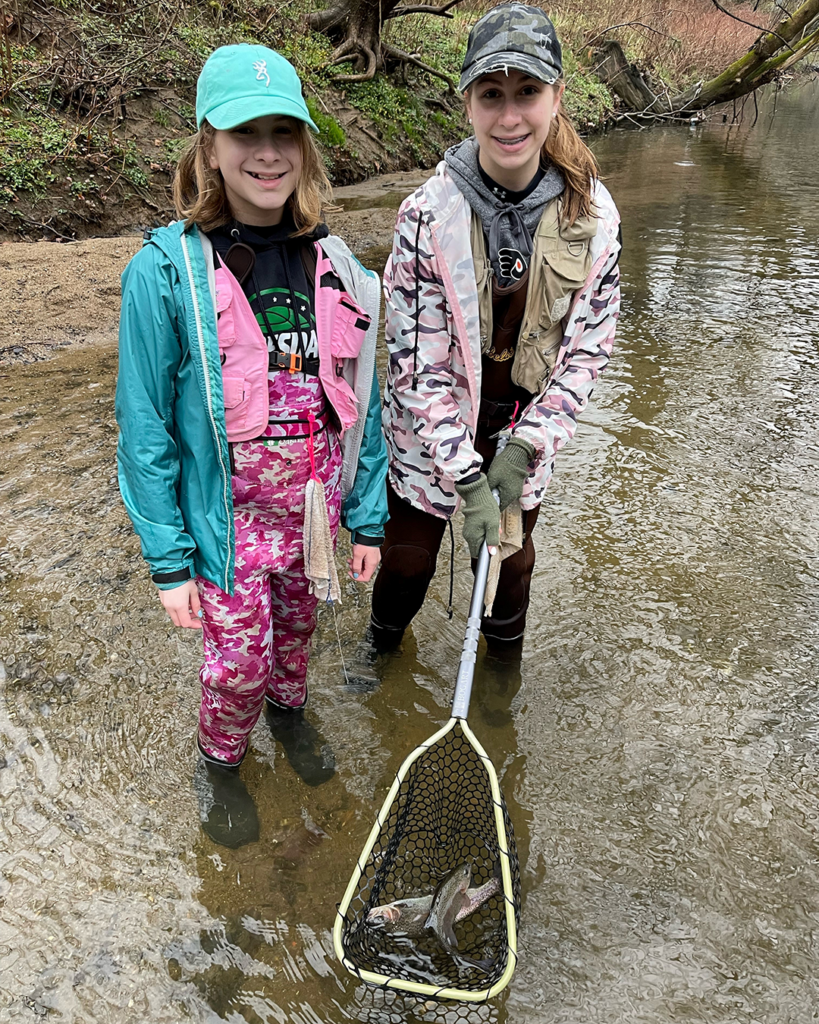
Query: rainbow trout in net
point(412, 916)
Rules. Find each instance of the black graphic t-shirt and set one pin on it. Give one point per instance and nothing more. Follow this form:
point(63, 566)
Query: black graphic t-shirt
point(278, 288)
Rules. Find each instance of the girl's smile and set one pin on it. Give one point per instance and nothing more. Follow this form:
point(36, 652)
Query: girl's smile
point(511, 115)
point(260, 162)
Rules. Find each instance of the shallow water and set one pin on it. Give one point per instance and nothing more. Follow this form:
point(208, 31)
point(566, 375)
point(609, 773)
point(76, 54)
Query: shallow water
point(658, 751)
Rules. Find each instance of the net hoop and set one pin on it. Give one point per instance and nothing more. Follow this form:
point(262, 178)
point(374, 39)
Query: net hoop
point(420, 988)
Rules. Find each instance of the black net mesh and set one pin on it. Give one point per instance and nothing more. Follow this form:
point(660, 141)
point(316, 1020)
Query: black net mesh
point(386, 1006)
point(442, 817)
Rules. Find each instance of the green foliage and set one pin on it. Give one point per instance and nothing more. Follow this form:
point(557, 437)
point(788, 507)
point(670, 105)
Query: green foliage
point(401, 117)
point(439, 42)
point(309, 54)
point(188, 114)
point(27, 149)
point(37, 152)
point(586, 99)
point(330, 131)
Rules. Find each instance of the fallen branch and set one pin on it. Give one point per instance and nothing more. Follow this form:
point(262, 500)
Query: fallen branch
point(396, 54)
point(423, 9)
point(40, 224)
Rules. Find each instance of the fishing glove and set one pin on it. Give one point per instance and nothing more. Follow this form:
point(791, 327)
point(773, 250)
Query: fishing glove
point(481, 515)
point(509, 470)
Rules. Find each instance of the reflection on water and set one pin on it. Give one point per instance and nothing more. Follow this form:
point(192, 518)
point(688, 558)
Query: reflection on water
point(658, 750)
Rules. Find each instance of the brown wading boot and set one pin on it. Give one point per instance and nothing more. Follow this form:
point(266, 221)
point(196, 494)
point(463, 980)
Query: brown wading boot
point(304, 747)
point(226, 809)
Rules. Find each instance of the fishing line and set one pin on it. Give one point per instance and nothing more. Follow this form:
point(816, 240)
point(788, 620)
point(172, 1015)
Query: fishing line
point(338, 639)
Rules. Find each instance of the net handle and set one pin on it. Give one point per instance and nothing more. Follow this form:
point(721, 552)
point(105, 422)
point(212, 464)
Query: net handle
point(469, 651)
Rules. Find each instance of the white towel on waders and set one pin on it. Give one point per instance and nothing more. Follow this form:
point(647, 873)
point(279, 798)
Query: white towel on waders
point(319, 559)
point(511, 540)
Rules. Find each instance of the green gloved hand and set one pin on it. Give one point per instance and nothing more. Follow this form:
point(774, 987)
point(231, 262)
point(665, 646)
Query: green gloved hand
point(481, 515)
point(509, 470)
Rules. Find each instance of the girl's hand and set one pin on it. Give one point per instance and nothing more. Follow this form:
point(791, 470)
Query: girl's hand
point(363, 563)
point(182, 604)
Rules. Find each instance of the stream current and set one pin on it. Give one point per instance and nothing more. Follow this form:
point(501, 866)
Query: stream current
point(658, 750)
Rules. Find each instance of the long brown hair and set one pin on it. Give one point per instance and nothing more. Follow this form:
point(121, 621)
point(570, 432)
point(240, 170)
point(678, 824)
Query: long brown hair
point(572, 157)
point(199, 191)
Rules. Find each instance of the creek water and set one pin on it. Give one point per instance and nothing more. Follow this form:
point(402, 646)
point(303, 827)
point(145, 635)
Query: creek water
point(658, 749)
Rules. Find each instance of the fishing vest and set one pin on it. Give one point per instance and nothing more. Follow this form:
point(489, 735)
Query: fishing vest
point(560, 264)
point(341, 326)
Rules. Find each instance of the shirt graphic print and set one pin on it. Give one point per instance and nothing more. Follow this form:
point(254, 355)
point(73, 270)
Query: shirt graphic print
point(287, 321)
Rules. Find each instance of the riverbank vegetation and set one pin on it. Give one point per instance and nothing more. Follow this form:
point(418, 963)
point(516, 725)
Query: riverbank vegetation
point(96, 97)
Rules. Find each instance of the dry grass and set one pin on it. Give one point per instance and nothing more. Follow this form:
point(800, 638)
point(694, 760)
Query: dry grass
point(679, 41)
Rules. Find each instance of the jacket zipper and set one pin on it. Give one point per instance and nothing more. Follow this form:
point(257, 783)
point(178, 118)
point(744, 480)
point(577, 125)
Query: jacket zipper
point(203, 353)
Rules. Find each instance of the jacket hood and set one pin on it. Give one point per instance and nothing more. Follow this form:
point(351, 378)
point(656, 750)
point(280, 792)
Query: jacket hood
point(508, 226)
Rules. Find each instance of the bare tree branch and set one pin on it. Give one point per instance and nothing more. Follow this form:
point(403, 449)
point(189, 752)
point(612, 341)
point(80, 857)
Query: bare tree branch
point(626, 24)
point(759, 28)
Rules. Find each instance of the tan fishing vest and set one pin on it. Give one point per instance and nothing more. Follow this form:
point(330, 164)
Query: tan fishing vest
point(561, 262)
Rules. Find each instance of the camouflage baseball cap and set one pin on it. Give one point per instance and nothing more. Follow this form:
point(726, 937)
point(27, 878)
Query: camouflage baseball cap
point(512, 36)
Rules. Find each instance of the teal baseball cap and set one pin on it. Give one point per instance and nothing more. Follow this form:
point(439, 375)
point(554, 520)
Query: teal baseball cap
point(244, 81)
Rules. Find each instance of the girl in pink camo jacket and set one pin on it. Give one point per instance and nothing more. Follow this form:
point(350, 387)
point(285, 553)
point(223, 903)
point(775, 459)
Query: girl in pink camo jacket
point(502, 297)
point(247, 367)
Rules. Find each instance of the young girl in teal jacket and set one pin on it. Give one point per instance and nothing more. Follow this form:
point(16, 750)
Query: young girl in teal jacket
point(247, 369)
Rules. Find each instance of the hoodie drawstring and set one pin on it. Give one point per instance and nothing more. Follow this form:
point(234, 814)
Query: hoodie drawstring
point(297, 319)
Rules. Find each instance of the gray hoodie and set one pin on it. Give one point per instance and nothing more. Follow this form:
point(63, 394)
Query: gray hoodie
point(508, 226)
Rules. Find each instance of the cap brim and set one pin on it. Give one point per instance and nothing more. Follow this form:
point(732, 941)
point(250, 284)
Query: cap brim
point(236, 112)
point(531, 66)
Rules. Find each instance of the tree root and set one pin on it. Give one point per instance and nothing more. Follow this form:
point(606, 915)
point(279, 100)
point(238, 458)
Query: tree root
point(356, 52)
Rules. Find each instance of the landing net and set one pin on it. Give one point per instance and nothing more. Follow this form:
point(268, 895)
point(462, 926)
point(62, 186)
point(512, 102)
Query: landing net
point(444, 809)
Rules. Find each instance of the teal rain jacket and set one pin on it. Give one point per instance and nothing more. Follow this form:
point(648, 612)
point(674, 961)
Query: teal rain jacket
point(173, 459)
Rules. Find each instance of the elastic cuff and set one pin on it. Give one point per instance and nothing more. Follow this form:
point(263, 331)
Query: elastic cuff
point(177, 576)
point(367, 539)
point(470, 478)
point(469, 487)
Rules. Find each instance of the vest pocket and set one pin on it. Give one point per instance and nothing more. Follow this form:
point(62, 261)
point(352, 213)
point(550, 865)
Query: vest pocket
point(565, 269)
point(536, 357)
point(350, 325)
point(236, 391)
point(225, 320)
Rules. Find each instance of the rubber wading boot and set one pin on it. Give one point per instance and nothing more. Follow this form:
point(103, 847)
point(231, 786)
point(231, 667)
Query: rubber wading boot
point(361, 671)
point(498, 680)
point(226, 809)
point(384, 639)
point(304, 746)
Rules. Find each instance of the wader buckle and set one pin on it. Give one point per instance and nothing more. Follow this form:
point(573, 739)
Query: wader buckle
point(291, 362)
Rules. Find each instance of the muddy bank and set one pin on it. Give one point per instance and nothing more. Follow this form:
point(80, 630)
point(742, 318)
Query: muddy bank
point(53, 294)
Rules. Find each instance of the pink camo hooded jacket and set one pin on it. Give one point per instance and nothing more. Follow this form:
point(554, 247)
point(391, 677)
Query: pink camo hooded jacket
point(433, 388)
